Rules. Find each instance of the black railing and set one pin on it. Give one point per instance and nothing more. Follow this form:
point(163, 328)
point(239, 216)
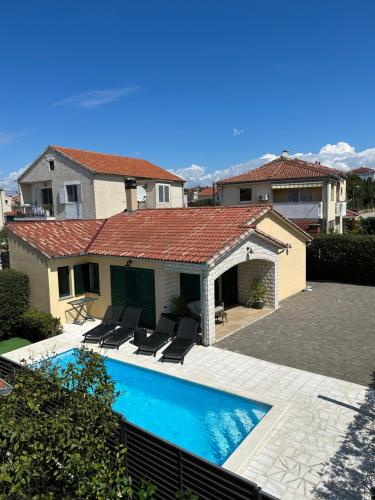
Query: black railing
point(169, 467)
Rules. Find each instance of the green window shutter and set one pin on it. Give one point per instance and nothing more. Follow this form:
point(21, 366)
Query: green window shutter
point(79, 280)
point(64, 281)
point(94, 278)
point(190, 287)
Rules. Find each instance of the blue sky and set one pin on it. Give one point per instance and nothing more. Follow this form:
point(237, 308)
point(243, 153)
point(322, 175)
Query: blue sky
point(182, 83)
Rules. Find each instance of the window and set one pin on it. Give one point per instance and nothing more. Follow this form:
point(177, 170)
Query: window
point(86, 278)
point(305, 194)
point(72, 193)
point(190, 287)
point(164, 193)
point(51, 164)
point(293, 195)
point(245, 194)
point(64, 281)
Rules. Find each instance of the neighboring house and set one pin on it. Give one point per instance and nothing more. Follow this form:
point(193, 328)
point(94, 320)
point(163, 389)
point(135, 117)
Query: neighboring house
point(207, 193)
point(364, 173)
point(310, 194)
point(66, 183)
point(2, 208)
point(147, 257)
point(196, 193)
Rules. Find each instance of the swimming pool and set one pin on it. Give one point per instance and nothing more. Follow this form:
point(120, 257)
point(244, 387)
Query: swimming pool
point(205, 421)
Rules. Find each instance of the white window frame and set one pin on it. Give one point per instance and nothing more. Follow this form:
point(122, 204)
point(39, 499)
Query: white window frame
point(72, 183)
point(164, 188)
point(245, 189)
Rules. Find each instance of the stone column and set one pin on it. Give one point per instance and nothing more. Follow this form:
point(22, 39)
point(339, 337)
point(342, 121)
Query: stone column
point(207, 309)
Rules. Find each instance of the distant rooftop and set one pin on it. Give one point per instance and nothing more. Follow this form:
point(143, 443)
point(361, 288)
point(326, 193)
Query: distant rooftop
point(285, 168)
point(116, 165)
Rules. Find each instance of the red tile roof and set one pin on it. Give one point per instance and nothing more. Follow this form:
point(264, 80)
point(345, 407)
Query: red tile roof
point(194, 235)
point(207, 192)
point(57, 238)
point(284, 168)
point(363, 170)
point(351, 213)
point(308, 225)
point(119, 165)
point(177, 234)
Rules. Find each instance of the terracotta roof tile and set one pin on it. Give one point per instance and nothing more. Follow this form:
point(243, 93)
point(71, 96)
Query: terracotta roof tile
point(184, 235)
point(119, 165)
point(57, 238)
point(284, 169)
point(363, 170)
point(207, 191)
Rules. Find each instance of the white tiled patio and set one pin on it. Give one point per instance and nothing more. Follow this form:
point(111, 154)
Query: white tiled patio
point(294, 458)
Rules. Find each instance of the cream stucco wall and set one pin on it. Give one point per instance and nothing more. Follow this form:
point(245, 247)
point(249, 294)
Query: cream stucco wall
point(60, 307)
point(292, 262)
point(110, 197)
point(230, 194)
point(2, 208)
point(28, 260)
point(176, 195)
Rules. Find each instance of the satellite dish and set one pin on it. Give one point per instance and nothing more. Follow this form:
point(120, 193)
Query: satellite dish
point(141, 194)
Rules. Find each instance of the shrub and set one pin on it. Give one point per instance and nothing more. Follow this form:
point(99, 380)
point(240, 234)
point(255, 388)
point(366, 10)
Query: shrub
point(14, 300)
point(38, 325)
point(367, 226)
point(346, 258)
point(61, 450)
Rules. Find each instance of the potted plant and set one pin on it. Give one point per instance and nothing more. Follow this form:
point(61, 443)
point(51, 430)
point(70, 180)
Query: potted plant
point(258, 293)
point(179, 308)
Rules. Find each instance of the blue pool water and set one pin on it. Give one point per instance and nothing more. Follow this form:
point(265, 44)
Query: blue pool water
point(205, 421)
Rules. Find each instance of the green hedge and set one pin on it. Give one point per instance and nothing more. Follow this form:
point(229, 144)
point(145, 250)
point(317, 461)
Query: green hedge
point(38, 325)
point(14, 300)
point(346, 258)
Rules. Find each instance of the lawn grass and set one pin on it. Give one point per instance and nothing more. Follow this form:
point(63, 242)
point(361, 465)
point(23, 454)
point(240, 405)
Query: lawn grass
point(12, 344)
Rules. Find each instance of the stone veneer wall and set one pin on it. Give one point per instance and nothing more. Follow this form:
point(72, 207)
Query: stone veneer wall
point(251, 249)
point(256, 269)
point(171, 288)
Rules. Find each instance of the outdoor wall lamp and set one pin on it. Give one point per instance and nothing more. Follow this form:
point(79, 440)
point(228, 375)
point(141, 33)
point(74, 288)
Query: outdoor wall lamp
point(129, 263)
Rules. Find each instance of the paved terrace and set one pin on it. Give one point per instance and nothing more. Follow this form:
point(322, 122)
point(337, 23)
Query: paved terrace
point(320, 435)
point(328, 331)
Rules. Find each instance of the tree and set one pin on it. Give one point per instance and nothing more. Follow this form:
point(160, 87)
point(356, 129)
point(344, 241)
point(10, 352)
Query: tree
point(14, 300)
point(54, 441)
point(360, 193)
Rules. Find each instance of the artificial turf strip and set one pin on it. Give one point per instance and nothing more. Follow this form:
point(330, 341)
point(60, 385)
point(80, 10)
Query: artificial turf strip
point(12, 344)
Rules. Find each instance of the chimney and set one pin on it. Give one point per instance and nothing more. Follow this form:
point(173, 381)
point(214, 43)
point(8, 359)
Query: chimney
point(285, 153)
point(131, 194)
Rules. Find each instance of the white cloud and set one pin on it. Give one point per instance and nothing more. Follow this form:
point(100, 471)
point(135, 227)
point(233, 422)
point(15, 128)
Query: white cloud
point(96, 98)
point(9, 183)
point(341, 155)
point(238, 131)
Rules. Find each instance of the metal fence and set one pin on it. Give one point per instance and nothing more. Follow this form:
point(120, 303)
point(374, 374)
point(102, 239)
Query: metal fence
point(169, 467)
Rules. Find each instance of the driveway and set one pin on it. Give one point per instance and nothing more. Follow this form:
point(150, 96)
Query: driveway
point(330, 330)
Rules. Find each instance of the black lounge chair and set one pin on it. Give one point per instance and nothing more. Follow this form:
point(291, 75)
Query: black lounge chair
point(129, 324)
point(109, 322)
point(161, 335)
point(184, 341)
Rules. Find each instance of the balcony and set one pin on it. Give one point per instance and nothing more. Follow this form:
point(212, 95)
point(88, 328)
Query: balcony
point(34, 212)
point(300, 210)
point(340, 208)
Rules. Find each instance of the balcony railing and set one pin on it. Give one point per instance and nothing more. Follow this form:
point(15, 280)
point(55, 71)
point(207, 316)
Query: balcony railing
point(34, 212)
point(340, 208)
point(301, 210)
